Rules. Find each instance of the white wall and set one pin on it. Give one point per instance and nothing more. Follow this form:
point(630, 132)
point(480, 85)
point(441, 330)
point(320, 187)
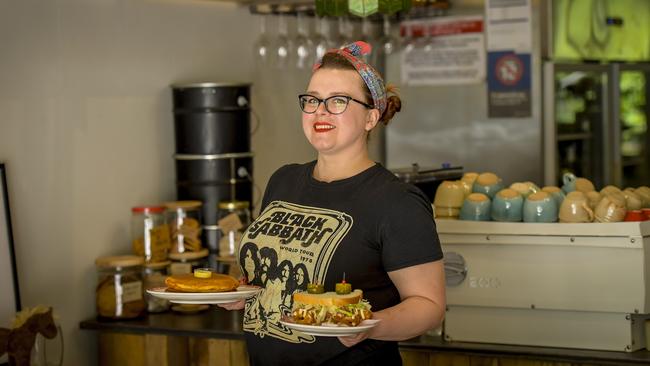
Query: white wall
point(86, 129)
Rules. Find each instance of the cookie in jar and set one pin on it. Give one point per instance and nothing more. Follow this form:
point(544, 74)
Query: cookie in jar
point(119, 292)
point(184, 221)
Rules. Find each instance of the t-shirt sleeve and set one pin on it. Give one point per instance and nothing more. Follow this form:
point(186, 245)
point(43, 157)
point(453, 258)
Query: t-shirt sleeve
point(408, 231)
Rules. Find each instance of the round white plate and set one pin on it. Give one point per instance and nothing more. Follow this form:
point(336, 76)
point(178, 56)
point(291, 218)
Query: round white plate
point(331, 330)
point(242, 292)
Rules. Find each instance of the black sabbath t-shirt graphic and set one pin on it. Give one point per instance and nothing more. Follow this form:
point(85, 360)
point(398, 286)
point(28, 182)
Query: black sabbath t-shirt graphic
point(287, 247)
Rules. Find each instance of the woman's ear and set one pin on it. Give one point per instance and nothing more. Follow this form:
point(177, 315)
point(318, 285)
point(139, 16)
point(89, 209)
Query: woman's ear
point(372, 119)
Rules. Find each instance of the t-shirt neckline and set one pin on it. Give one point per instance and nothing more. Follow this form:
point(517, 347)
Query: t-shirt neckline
point(359, 176)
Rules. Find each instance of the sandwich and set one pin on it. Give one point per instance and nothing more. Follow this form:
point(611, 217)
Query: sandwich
point(201, 281)
point(330, 308)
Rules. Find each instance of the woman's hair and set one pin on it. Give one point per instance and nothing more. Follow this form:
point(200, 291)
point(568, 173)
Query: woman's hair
point(394, 103)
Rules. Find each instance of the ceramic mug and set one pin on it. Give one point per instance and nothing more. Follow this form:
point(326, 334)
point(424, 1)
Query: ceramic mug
point(569, 182)
point(449, 194)
point(633, 201)
point(575, 208)
point(635, 215)
point(593, 197)
point(446, 212)
point(610, 209)
point(610, 189)
point(540, 207)
point(584, 185)
point(524, 188)
point(556, 192)
point(468, 180)
point(488, 184)
point(644, 193)
point(507, 205)
point(476, 208)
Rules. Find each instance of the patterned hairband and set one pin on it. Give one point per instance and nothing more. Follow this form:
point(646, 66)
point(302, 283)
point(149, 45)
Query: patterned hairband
point(353, 52)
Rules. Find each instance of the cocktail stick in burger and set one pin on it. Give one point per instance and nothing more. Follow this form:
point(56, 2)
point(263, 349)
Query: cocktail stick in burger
point(330, 308)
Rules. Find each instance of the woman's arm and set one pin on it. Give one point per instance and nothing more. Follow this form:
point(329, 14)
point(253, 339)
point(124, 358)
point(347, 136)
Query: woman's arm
point(422, 290)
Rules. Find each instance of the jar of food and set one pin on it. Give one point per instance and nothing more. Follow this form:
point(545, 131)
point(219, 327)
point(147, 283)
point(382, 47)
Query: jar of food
point(119, 287)
point(154, 275)
point(150, 233)
point(187, 262)
point(233, 219)
point(184, 220)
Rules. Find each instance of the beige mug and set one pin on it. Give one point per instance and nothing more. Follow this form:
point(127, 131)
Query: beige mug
point(644, 192)
point(611, 208)
point(593, 197)
point(575, 208)
point(610, 189)
point(468, 180)
point(449, 194)
point(584, 185)
point(633, 201)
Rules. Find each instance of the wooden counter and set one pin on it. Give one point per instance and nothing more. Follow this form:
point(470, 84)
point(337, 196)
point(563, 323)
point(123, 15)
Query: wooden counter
point(215, 337)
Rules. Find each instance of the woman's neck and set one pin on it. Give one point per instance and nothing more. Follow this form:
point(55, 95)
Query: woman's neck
point(329, 169)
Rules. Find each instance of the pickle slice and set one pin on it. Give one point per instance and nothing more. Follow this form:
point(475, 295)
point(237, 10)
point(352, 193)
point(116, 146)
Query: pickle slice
point(315, 288)
point(343, 288)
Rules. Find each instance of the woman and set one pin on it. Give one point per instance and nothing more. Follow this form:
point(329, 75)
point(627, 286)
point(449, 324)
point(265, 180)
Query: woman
point(345, 215)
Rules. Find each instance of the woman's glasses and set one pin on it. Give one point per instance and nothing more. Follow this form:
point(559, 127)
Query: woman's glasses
point(336, 104)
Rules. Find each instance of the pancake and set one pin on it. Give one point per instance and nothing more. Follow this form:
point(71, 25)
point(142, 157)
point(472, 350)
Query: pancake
point(188, 283)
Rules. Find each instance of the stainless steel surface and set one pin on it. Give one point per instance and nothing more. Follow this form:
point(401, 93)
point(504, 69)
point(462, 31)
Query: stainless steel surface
point(554, 285)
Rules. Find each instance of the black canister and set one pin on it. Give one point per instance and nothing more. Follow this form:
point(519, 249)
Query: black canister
point(211, 118)
point(213, 158)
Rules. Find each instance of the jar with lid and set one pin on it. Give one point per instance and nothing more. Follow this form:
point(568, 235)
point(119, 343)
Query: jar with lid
point(233, 219)
point(154, 275)
point(119, 292)
point(182, 263)
point(184, 220)
point(150, 233)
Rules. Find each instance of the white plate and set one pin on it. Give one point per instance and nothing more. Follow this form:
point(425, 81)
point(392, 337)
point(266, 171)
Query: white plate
point(332, 330)
point(242, 292)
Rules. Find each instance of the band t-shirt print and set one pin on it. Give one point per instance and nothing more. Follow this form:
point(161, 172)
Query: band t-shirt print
point(287, 247)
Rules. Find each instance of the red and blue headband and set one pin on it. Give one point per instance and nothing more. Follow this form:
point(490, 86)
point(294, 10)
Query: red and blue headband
point(353, 52)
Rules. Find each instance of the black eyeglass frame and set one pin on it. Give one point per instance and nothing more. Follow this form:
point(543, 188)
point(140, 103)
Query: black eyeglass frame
point(324, 101)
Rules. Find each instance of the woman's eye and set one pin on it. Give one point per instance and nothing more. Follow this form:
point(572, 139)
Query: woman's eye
point(312, 101)
point(339, 101)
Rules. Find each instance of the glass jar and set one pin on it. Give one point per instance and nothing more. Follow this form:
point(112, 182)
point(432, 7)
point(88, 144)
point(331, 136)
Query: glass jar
point(154, 275)
point(150, 233)
point(184, 220)
point(233, 219)
point(119, 287)
point(187, 262)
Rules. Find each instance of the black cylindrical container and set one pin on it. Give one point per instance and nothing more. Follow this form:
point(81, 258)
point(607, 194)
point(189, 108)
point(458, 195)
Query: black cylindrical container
point(213, 158)
point(211, 118)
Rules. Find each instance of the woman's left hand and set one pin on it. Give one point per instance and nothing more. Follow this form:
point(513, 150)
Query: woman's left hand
point(350, 341)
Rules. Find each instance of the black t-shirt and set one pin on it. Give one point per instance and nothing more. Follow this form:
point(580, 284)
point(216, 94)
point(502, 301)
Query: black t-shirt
point(311, 231)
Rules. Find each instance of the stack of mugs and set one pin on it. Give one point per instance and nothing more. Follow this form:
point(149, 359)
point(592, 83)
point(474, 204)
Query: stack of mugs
point(483, 197)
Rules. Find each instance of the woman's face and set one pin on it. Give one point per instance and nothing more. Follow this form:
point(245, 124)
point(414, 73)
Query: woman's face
point(330, 133)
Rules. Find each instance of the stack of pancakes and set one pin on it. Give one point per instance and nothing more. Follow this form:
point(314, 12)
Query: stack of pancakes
point(189, 283)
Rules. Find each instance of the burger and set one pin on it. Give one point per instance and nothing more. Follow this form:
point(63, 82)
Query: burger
point(201, 281)
point(330, 308)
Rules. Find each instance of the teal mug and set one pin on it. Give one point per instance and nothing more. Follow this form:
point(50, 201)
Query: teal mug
point(556, 192)
point(540, 207)
point(569, 182)
point(507, 206)
point(488, 184)
point(476, 207)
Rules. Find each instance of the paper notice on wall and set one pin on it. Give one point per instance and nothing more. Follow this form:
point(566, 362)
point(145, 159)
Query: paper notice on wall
point(444, 51)
point(508, 25)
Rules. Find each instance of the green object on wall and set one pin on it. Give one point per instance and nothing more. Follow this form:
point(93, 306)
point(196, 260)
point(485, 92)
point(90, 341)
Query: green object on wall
point(336, 8)
point(393, 6)
point(363, 8)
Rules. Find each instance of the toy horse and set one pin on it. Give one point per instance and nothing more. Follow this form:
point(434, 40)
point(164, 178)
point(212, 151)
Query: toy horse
point(19, 340)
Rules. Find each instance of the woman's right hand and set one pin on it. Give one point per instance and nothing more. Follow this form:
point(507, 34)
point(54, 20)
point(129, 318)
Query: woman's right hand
point(237, 305)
